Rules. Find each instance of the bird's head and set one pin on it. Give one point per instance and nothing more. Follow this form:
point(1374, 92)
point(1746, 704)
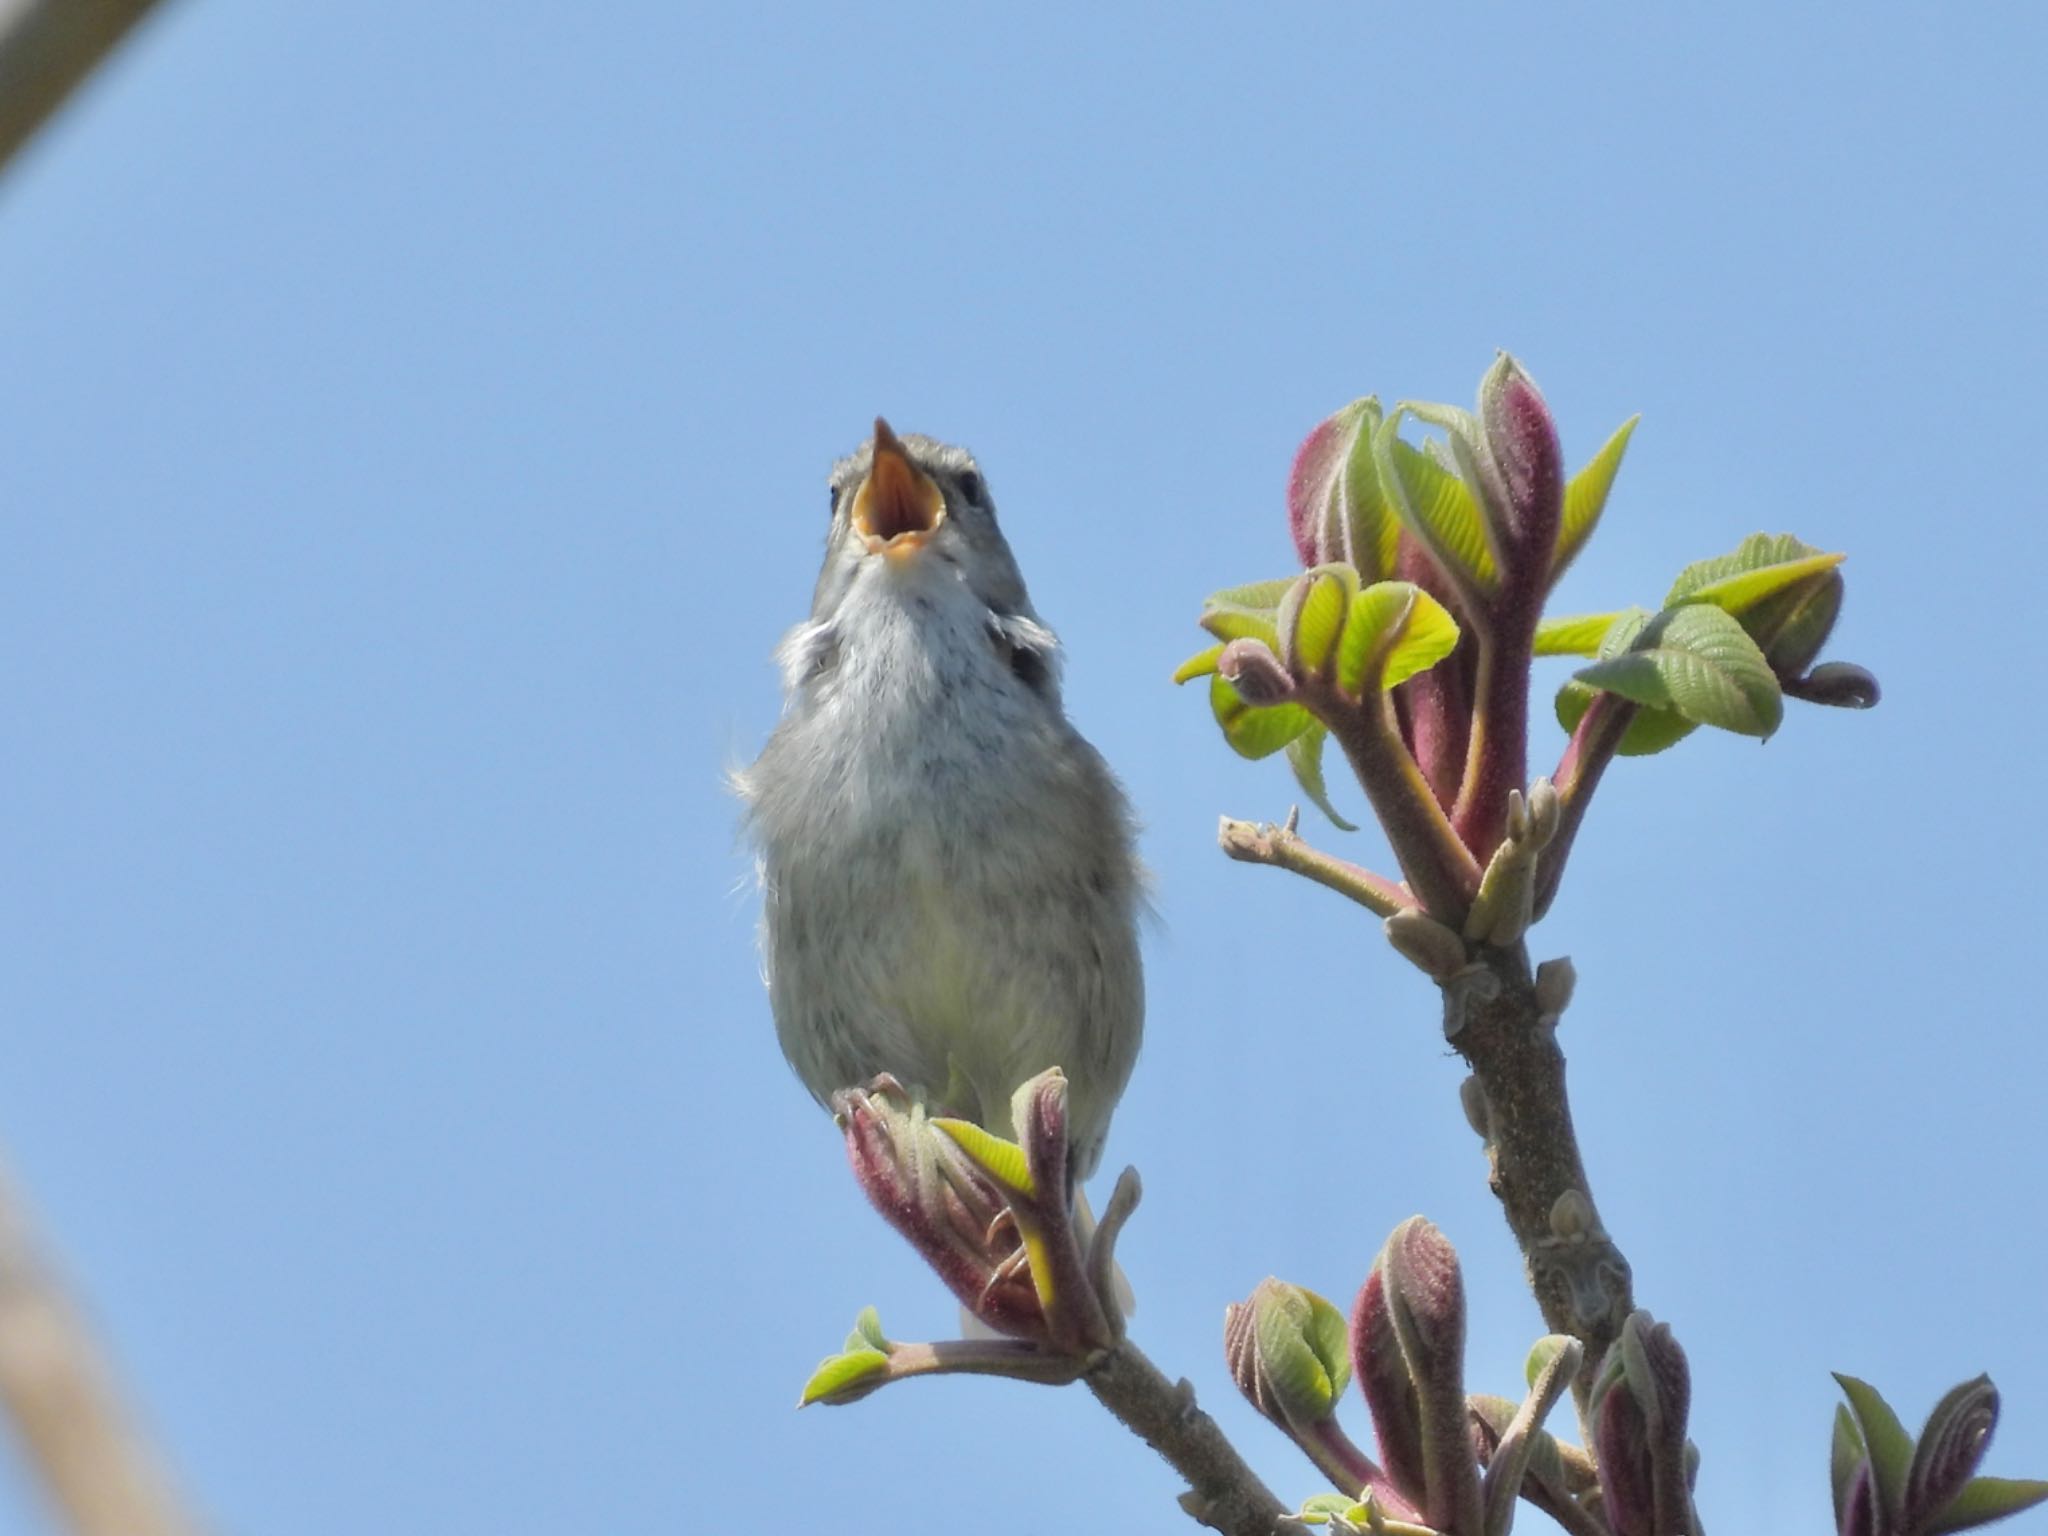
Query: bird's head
point(910, 503)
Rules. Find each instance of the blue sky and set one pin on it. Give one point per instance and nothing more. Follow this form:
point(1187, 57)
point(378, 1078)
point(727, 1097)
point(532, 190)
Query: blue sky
point(417, 421)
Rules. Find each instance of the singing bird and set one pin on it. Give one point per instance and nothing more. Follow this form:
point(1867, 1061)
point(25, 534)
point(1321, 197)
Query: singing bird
point(950, 888)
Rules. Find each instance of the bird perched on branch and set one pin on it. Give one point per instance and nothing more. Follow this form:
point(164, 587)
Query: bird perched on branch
point(950, 888)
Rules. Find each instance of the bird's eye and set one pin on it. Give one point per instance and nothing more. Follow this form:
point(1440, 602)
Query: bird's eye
point(971, 488)
point(831, 501)
point(1029, 668)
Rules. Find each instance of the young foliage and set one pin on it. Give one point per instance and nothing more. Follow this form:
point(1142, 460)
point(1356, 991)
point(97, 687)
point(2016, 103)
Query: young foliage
point(1409, 638)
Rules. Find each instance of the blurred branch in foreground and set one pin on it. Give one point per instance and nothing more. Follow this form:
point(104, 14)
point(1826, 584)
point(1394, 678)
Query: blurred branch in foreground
point(99, 1474)
point(46, 48)
point(101, 1477)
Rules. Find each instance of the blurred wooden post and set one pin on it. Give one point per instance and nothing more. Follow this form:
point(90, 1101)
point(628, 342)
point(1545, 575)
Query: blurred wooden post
point(46, 48)
point(99, 1474)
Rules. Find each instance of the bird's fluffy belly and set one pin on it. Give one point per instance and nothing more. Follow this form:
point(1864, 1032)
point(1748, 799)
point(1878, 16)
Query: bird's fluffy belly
point(961, 953)
point(951, 957)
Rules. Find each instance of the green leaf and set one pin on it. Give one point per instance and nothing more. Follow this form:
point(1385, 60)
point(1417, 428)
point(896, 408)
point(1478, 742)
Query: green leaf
point(1305, 757)
point(1318, 1510)
point(1372, 530)
point(1552, 1363)
point(1330, 1335)
point(1793, 623)
point(867, 1331)
point(1435, 506)
point(1395, 631)
point(1240, 624)
point(1381, 607)
point(1304, 1350)
point(1334, 502)
point(1247, 612)
point(1578, 634)
point(1585, 497)
point(1889, 1446)
point(1003, 1161)
point(1745, 590)
point(1229, 622)
point(1983, 1500)
point(1201, 664)
point(1845, 1455)
point(1545, 1350)
point(1312, 617)
point(1650, 731)
point(1426, 636)
point(1621, 634)
point(1699, 662)
point(842, 1378)
point(1253, 594)
point(1755, 554)
point(1254, 731)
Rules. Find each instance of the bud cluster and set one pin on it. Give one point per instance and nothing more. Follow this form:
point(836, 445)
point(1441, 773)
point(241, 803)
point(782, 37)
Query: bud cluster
point(1447, 1463)
point(1887, 1484)
point(1410, 637)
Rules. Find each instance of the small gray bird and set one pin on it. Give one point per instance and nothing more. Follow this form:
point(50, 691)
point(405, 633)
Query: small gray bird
point(951, 893)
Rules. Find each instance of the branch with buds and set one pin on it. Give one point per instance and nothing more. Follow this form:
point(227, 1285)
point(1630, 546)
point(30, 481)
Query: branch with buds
point(993, 1220)
point(1291, 1353)
point(1410, 640)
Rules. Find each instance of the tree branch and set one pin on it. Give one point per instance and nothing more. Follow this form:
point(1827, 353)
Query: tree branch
point(1438, 867)
point(1578, 772)
point(1497, 754)
point(46, 48)
point(93, 1463)
point(1282, 848)
point(1580, 1278)
point(1223, 1493)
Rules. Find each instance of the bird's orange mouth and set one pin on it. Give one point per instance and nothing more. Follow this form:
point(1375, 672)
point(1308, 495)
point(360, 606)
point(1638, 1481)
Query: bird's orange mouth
point(898, 506)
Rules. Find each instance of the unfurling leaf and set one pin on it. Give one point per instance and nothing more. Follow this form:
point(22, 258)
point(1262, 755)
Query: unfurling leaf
point(1846, 1458)
point(1255, 672)
point(1201, 664)
point(1527, 464)
point(1437, 508)
point(1985, 1499)
point(1335, 508)
point(1305, 757)
point(1408, 1347)
point(1552, 1365)
point(846, 1377)
point(1698, 662)
point(867, 1331)
point(1950, 1447)
point(1585, 497)
point(1246, 612)
point(1761, 565)
point(1253, 731)
point(1641, 1397)
point(1394, 631)
point(1579, 634)
point(1311, 618)
point(1381, 1367)
point(1302, 1351)
point(1886, 1444)
point(1836, 684)
point(1649, 730)
point(1002, 1161)
point(1885, 1485)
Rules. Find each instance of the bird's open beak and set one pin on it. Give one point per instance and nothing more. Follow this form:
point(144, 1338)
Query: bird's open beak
point(898, 506)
